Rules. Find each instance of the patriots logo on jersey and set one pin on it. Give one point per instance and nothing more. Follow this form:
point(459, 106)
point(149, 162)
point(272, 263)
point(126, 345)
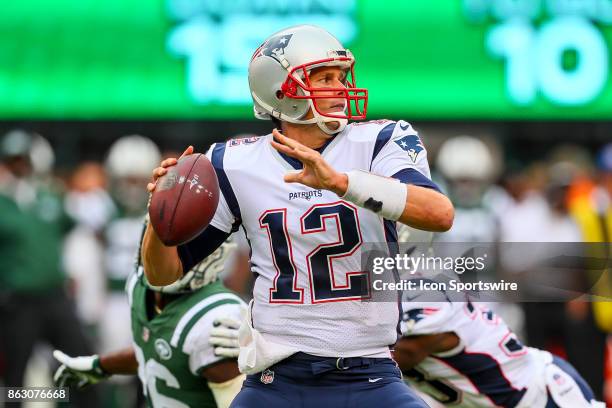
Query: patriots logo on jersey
point(411, 144)
point(274, 47)
point(416, 315)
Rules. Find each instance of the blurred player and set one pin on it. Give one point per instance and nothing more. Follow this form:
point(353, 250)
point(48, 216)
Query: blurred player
point(308, 198)
point(468, 167)
point(35, 305)
point(128, 165)
point(461, 354)
point(171, 328)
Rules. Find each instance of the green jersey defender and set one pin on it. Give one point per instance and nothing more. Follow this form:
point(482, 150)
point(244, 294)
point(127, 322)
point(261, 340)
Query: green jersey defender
point(172, 348)
point(171, 345)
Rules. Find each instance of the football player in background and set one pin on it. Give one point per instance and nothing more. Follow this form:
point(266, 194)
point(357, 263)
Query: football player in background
point(468, 166)
point(462, 354)
point(126, 164)
point(308, 196)
point(35, 303)
point(171, 331)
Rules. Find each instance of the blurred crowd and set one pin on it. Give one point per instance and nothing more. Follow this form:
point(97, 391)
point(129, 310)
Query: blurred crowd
point(68, 244)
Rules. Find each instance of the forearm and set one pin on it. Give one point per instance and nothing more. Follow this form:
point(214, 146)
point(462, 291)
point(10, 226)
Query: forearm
point(427, 209)
point(423, 208)
point(410, 351)
point(120, 362)
point(407, 357)
point(162, 264)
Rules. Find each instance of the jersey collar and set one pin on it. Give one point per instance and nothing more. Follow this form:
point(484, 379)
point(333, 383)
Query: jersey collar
point(295, 163)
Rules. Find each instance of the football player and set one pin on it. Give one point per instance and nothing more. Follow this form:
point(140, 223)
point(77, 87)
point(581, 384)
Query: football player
point(308, 196)
point(462, 354)
point(127, 159)
point(171, 329)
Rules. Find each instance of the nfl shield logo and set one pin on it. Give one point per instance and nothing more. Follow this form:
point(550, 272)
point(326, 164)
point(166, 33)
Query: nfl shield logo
point(145, 334)
point(267, 376)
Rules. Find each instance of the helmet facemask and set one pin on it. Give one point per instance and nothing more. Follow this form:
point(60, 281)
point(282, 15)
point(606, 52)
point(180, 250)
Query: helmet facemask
point(297, 85)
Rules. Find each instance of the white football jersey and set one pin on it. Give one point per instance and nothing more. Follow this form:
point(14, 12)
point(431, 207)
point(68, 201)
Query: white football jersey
point(489, 368)
point(306, 243)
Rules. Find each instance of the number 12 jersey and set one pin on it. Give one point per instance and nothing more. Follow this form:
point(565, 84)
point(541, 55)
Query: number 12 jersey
point(306, 243)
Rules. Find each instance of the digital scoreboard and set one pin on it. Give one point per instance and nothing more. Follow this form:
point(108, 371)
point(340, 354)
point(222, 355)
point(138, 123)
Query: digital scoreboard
point(187, 59)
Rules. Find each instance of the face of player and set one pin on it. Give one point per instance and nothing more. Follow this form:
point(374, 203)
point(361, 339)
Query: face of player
point(129, 193)
point(329, 77)
point(19, 166)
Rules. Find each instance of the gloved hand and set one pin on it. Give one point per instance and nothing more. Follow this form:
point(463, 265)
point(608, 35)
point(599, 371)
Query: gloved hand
point(224, 337)
point(78, 372)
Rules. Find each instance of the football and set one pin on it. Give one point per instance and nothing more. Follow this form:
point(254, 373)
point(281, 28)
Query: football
point(185, 200)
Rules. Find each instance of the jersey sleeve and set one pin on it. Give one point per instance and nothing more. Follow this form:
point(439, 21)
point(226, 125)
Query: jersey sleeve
point(422, 318)
point(400, 153)
point(223, 219)
point(201, 353)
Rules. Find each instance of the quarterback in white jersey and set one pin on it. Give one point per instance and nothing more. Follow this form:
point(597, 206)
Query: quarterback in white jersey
point(306, 242)
point(462, 354)
point(307, 199)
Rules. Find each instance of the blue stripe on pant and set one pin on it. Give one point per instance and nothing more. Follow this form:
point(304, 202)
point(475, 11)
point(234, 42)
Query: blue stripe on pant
point(569, 369)
point(306, 381)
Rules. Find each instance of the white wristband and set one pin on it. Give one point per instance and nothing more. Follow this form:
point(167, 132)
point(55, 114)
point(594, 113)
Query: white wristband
point(382, 195)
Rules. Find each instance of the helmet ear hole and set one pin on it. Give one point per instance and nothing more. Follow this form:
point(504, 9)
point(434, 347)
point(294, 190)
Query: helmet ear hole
point(280, 94)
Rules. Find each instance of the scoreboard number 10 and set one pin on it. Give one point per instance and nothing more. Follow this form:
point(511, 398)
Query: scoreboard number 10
point(534, 59)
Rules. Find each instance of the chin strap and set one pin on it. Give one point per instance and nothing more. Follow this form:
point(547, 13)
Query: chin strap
point(322, 121)
point(341, 125)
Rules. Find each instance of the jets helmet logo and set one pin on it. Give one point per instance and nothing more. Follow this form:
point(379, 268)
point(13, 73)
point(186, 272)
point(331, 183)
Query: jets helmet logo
point(274, 47)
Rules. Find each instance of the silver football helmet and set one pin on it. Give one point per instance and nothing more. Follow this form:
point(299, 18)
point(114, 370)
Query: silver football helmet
point(466, 157)
point(130, 161)
point(279, 78)
point(132, 156)
point(204, 273)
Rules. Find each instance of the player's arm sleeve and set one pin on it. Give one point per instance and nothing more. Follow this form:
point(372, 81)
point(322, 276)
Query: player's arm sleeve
point(222, 225)
point(399, 153)
point(196, 346)
point(194, 252)
point(227, 217)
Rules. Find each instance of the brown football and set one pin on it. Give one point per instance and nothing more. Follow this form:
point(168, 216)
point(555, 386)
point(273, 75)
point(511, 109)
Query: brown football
point(185, 200)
